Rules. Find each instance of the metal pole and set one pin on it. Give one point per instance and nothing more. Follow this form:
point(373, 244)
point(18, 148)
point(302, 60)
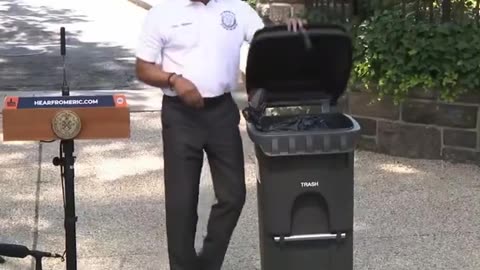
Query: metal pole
point(67, 164)
point(70, 216)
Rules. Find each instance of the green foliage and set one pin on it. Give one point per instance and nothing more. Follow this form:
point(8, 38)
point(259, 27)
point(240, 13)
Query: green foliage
point(321, 15)
point(395, 54)
point(252, 3)
point(328, 15)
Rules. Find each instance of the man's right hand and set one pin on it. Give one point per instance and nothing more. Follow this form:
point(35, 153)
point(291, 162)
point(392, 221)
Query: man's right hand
point(187, 91)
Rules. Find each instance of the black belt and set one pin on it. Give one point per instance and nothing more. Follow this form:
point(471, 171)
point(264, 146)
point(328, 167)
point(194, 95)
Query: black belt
point(208, 102)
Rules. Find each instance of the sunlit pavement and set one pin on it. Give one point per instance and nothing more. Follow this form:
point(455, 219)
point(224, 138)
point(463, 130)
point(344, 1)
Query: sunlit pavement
point(409, 214)
point(101, 38)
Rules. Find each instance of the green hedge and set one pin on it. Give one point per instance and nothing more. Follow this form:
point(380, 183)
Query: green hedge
point(395, 54)
point(252, 3)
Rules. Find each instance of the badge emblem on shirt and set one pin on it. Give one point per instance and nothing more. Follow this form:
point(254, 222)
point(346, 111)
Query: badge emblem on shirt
point(229, 21)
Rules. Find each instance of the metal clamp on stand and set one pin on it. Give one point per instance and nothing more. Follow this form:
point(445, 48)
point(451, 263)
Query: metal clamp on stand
point(310, 237)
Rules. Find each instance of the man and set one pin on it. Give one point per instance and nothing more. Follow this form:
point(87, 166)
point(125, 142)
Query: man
point(191, 49)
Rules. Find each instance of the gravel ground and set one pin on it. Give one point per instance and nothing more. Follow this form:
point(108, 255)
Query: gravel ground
point(409, 214)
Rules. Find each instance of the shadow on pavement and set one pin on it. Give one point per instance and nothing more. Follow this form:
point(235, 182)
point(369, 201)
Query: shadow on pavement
point(119, 195)
point(30, 52)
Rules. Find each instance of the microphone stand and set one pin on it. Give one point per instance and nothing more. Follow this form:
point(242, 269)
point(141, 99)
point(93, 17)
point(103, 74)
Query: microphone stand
point(66, 162)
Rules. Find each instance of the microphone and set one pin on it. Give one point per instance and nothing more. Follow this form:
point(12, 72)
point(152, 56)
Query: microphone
point(63, 52)
point(14, 251)
point(63, 45)
point(17, 251)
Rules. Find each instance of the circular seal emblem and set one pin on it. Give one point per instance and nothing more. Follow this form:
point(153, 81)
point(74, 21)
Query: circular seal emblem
point(229, 20)
point(120, 100)
point(66, 124)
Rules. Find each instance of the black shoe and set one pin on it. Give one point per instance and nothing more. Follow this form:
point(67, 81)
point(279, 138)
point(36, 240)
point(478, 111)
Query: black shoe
point(2, 260)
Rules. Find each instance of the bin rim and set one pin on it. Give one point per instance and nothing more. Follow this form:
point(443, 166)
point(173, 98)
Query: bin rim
point(275, 53)
point(266, 141)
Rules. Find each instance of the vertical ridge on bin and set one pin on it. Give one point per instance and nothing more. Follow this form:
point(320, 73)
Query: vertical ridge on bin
point(325, 107)
point(275, 148)
point(291, 144)
point(309, 144)
point(343, 142)
point(326, 142)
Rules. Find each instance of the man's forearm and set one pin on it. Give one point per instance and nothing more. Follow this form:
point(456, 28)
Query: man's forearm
point(152, 74)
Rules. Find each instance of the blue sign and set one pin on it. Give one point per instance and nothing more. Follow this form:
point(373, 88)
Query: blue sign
point(65, 102)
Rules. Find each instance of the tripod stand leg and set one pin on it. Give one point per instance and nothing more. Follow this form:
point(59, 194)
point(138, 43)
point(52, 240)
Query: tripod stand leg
point(70, 216)
point(38, 264)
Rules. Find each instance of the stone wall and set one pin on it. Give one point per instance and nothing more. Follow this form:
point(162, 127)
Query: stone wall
point(421, 127)
point(277, 11)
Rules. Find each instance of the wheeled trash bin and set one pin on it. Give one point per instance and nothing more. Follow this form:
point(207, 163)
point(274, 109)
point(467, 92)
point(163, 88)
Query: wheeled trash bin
point(304, 147)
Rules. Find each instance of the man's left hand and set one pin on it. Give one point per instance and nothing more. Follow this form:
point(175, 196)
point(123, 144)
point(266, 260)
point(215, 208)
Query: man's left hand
point(295, 24)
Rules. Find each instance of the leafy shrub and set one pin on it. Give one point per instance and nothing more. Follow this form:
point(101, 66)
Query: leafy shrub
point(395, 53)
point(252, 3)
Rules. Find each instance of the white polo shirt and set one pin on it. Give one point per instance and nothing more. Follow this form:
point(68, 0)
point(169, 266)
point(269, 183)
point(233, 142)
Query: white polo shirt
point(201, 42)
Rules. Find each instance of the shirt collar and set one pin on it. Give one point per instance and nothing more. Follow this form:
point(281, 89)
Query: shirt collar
point(190, 2)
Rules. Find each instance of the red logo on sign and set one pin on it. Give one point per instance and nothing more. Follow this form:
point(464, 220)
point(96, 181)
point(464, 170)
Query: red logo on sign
point(11, 102)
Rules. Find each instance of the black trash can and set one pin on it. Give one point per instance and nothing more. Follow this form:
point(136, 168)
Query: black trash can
point(305, 157)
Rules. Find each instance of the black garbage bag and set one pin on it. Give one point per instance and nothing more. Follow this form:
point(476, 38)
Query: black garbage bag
point(297, 123)
point(291, 123)
point(254, 114)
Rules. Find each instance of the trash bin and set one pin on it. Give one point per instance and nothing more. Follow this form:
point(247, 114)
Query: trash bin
point(304, 159)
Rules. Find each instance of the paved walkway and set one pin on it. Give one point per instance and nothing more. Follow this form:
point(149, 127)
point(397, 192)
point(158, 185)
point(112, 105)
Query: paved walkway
point(100, 48)
point(409, 214)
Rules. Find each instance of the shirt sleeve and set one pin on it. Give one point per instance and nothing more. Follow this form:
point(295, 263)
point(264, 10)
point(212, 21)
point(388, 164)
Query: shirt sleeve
point(253, 22)
point(151, 40)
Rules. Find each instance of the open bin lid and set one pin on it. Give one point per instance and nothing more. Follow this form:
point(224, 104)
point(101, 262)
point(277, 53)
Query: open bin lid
point(283, 63)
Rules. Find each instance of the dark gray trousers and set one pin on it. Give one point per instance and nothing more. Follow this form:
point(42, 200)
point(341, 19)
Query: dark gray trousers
point(187, 132)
